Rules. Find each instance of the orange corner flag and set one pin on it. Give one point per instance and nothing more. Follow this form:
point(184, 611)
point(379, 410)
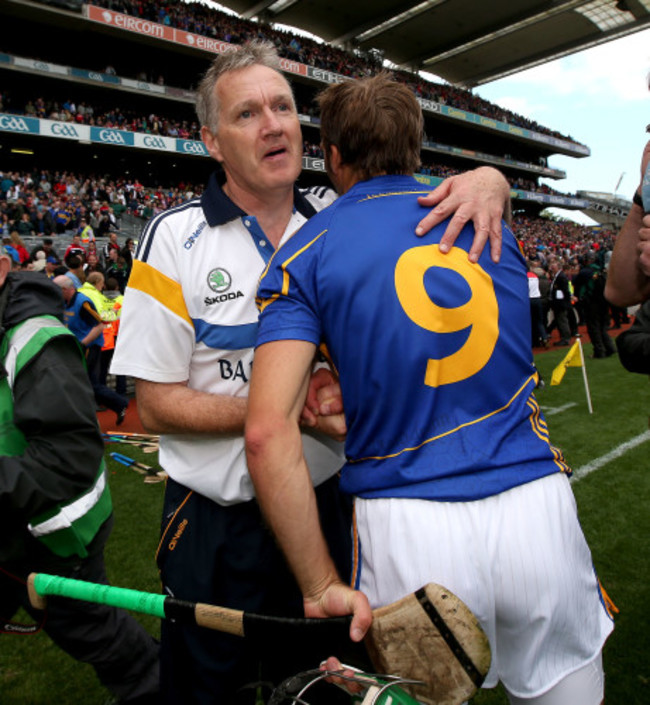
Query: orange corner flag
point(572, 359)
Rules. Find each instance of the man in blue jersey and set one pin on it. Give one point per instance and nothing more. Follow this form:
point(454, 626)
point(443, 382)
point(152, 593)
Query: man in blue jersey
point(448, 457)
point(187, 336)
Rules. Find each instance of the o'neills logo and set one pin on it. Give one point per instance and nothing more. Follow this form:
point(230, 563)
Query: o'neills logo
point(179, 532)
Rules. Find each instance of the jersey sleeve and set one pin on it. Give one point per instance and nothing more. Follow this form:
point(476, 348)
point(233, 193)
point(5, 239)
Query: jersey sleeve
point(157, 336)
point(287, 292)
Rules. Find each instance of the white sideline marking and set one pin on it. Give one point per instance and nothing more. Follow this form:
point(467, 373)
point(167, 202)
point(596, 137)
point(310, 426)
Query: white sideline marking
point(608, 457)
point(550, 410)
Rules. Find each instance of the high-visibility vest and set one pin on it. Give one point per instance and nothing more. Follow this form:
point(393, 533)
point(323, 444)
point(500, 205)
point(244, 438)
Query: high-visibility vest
point(68, 527)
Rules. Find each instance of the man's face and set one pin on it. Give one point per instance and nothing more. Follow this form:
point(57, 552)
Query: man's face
point(259, 141)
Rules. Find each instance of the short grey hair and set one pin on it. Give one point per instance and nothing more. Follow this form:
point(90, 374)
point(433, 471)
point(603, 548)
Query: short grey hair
point(63, 282)
point(252, 53)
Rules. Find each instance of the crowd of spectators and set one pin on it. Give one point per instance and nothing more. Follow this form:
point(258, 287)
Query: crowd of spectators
point(52, 204)
point(83, 113)
point(69, 213)
point(49, 203)
point(200, 19)
point(542, 238)
point(581, 255)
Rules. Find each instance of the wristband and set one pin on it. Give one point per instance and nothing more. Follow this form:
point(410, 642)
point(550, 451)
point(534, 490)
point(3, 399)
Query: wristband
point(637, 199)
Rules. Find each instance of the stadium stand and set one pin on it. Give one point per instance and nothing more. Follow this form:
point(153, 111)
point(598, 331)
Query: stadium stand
point(129, 69)
point(115, 81)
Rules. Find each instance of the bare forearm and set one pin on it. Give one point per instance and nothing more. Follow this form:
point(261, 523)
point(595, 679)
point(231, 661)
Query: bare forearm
point(286, 496)
point(175, 408)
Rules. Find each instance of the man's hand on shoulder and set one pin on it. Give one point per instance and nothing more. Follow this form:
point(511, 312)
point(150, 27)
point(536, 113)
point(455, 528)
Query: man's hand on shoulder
point(481, 196)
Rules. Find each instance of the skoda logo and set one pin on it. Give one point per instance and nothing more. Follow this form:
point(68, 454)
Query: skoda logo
point(219, 280)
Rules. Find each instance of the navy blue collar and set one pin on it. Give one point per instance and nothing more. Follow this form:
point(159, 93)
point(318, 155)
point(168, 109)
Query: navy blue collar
point(219, 209)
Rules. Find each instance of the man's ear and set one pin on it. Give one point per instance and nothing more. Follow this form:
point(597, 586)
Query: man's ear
point(211, 143)
point(5, 268)
point(334, 157)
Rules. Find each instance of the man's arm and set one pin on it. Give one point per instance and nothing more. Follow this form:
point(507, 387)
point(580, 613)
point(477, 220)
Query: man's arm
point(92, 317)
point(277, 467)
point(482, 196)
point(628, 274)
point(175, 408)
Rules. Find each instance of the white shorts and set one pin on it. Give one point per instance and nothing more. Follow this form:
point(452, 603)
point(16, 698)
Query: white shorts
point(520, 562)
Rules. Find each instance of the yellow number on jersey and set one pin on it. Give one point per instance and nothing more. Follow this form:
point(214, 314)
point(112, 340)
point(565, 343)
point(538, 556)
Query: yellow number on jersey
point(480, 313)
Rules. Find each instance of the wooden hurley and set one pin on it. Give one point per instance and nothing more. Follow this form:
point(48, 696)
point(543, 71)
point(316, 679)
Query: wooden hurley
point(429, 636)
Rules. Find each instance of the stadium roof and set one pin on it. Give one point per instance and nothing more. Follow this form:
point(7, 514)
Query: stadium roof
point(466, 42)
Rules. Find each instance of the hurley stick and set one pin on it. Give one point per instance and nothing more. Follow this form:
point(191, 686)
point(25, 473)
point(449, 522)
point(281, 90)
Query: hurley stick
point(222, 619)
point(429, 636)
point(141, 468)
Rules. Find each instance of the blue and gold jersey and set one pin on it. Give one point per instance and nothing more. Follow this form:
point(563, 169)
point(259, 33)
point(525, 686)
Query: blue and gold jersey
point(433, 352)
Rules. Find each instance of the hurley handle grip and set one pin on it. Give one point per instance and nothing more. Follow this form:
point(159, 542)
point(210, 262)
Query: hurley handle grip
point(219, 618)
point(41, 584)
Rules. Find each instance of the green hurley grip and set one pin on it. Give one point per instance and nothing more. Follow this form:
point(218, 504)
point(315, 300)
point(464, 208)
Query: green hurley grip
point(135, 600)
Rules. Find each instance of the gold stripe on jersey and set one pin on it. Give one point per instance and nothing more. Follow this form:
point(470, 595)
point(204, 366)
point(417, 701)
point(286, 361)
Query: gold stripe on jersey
point(372, 197)
point(166, 291)
point(446, 433)
point(262, 304)
point(540, 429)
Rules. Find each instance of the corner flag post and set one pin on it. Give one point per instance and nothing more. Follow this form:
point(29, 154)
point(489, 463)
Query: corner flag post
point(574, 358)
point(584, 375)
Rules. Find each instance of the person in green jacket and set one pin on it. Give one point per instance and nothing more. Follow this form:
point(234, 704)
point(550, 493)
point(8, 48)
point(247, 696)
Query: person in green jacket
point(55, 504)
